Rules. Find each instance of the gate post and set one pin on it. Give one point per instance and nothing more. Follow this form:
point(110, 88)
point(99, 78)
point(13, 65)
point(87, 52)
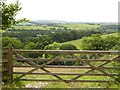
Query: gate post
point(10, 64)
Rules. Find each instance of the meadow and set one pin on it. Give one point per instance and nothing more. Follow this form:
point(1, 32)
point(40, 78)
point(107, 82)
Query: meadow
point(78, 42)
point(30, 37)
point(40, 27)
point(33, 84)
point(73, 26)
point(81, 26)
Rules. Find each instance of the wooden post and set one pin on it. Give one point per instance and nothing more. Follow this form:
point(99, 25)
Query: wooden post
point(10, 64)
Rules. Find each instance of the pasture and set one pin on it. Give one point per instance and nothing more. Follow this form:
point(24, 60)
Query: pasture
point(60, 26)
point(78, 42)
point(81, 26)
point(91, 73)
point(34, 84)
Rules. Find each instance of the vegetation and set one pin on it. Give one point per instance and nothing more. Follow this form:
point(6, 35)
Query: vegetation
point(93, 42)
point(41, 85)
point(68, 47)
point(11, 42)
point(8, 14)
point(80, 26)
point(78, 42)
point(96, 42)
point(58, 36)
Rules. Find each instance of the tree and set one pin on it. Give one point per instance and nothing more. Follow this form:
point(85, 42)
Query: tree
point(11, 42)
point(8, 14)
point(117, 46)
point(112, 41)
point(53, 46)
point(68, 47)
point(97, 42)
point(42, 41)
point(30, 45)
point(94, 42)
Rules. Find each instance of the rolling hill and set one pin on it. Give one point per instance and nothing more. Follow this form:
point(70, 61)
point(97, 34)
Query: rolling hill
point(78, 42)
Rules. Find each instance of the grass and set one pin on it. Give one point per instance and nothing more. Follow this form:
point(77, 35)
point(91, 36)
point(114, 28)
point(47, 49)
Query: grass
point(62, 84)
point(80, 26)
point(112, 34)
point(78, 42)
point(69, 26)
point(24, 84)
point(34, 27)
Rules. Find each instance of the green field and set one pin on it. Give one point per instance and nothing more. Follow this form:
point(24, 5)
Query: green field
point(34, 27)
point(113, 34)
point(62, 84)
point(80, 26)
point(78, 42)
point(60, 26)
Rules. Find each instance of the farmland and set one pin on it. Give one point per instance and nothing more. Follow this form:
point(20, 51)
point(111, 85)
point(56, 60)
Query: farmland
point(58, 54)
point(81, 26)
point(67, 36)
point(40, 27)
point(62, 84)
point(70, 26)
point(78, 42)
point(67, 33)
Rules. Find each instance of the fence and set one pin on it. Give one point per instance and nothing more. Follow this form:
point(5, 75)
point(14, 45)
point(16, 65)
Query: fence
point(84, 63)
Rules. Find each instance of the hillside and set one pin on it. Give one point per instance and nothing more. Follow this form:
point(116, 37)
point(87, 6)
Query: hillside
point(80, 26)
point(78, 42)
point(74, 26)
point(40, 27)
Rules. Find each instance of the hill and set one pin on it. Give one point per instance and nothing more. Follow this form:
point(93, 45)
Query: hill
point(78, 42)
point(80, 26)
point(43, 22)
point(72, 26)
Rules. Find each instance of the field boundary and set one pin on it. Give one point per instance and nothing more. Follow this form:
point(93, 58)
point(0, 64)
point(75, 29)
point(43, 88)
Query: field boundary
point(10, 55)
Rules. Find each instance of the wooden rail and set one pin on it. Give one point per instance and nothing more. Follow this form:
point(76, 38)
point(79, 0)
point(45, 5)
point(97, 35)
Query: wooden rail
point(88, 64)
point(67, 51)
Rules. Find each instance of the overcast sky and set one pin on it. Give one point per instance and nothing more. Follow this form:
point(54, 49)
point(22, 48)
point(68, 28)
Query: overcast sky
point(69, 10)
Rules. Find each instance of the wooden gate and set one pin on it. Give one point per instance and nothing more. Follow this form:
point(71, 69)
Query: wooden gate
point(76, 65)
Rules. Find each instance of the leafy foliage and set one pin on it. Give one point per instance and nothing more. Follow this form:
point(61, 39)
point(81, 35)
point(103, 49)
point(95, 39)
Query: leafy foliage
point(8, 14)
point(68, 47)
point(30, 45)
point(53, 46)
point(11, 42)
point(96, 42)
point(42, 41)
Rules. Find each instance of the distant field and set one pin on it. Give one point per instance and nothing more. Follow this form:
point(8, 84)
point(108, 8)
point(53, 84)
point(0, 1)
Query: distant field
point(60, 26)
point(78, 42)
point(80, 26)
point(34, 27)
point(113, 34)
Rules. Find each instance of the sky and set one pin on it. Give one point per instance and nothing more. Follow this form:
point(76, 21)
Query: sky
point(69, 10)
